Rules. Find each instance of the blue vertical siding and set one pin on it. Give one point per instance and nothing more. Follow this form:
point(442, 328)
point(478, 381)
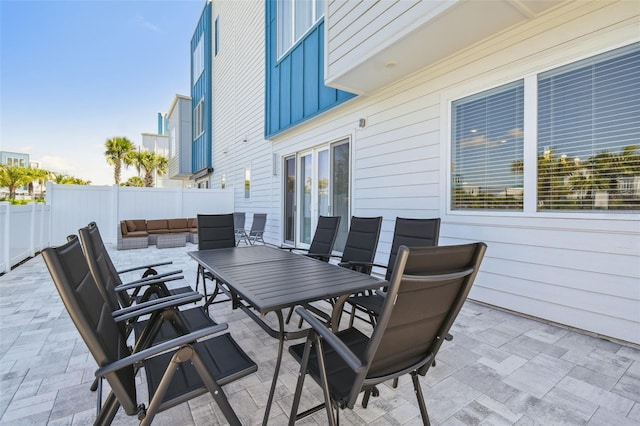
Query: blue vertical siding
point(295, 90)
point(201, 89)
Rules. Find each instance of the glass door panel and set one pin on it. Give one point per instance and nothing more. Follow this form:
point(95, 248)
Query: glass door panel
point(340, 190)
point(290, 201)
point(306, 185)
point(323, 183)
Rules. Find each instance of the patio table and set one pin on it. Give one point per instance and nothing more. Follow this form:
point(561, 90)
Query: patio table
point(263, 279)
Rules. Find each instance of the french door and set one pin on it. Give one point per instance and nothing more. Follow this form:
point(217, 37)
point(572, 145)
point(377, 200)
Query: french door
point(317, 183)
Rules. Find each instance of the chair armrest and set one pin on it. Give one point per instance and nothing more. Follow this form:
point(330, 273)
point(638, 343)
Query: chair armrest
point(155, 305)
point(319, 256)
point(137, 268)
point(142, 283)
point(341, 349)
point(158, 349)
point(154, 277)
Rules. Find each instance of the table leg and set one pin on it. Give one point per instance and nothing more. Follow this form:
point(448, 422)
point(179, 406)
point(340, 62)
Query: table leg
point(281, 338)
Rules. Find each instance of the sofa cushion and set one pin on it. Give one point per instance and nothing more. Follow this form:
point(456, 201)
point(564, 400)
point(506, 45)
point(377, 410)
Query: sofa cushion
point(156, 226)
point(141, 224)
point(130, 225)
point(123, 228)
point(178, 225)
point(192, 223)
point(136, 234)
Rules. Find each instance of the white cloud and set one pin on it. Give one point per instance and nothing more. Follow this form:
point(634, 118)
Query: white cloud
point(141, 20)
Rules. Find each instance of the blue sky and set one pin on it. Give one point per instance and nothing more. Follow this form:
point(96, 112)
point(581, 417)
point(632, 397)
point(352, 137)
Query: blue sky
point(75, 73)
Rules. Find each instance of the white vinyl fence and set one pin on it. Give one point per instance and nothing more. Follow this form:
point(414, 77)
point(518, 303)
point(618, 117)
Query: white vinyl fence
point(25, 230)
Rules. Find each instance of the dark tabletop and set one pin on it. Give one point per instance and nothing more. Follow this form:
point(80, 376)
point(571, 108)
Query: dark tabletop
point(271, 279)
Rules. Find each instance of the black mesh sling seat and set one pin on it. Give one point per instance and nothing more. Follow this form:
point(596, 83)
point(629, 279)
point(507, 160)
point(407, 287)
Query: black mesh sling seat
point(258, 225)
point(214, 231)
point(168, 323)
point(407, 232)
point(323, 240)
point(177, 370)
point(359, 250)
point(427, 289)
point(101, 265)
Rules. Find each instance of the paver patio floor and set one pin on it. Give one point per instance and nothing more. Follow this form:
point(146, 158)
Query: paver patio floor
point(500, 368)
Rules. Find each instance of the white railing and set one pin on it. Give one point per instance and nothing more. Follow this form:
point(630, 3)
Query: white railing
point(27, 229)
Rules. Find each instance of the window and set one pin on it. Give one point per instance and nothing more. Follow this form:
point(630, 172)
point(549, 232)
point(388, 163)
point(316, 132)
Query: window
point(589, 133)
point(217, 36)
point(488, 141)
point(198, 119)
point(198, 59)
point(294, 19)
point(585, 155)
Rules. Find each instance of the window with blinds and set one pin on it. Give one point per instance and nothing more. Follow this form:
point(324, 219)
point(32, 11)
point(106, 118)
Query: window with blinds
point(589, 134)
point(487, 149)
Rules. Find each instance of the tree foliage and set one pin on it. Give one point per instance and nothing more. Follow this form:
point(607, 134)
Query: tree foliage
point(150, 162)
point(119, 151)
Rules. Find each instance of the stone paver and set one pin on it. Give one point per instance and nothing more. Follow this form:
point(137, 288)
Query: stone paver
point(500, 368)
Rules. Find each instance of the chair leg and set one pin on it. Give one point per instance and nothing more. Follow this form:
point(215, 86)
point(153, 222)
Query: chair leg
point(289, 316)
point(395, 382)
point(418, 391)
point(324, 381)
point(108, 411)
point(301, 377)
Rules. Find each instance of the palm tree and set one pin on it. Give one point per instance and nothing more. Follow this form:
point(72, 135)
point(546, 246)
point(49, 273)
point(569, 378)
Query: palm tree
point(151, 162)
point(134, 181)
point(13, 177)
point(120, 150)
point(41, 176)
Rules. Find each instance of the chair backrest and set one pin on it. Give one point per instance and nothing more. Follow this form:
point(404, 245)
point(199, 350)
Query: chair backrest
point(412, 233)
point(426, 292)
point(259, 223)
point(362, 239)
point(91, 314)
point(325, 235)
point(103, 270)
point(216, 231)
point(239, 219)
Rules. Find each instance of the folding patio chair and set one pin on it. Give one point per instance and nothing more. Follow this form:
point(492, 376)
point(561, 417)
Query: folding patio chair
point(323, 239)
point(116, 294)
point(177, 370)
point(359, 250)
point(239, 220)
point(214, 231)
point(102, 266)
point(428, 287)
point(257, 228)
point(407, 232)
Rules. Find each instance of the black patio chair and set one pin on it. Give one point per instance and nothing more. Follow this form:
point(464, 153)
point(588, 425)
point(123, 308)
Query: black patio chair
point(176, 370)
point(428, 287)
point(239, 220)
point(257, 228)
point(407, 232)
point(101, 265)
point(214, 231)
point(323, 239)
point(359, 250)
point(173, 323)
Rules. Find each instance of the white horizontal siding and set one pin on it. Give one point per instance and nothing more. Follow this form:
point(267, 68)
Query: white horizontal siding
point(582, 270)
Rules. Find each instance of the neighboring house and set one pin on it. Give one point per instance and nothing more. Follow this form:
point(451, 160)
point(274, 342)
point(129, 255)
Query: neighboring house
point(474, 112)
point(201, 98)
point(178, 123)
point(16, 159)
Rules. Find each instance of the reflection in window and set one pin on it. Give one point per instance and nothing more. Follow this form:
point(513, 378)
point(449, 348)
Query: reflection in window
point(198, 60)
point(589, 133)
point(487, 132)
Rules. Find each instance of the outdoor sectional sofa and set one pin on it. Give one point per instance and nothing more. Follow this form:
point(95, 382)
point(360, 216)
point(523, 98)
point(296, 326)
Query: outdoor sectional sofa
point(139, 233)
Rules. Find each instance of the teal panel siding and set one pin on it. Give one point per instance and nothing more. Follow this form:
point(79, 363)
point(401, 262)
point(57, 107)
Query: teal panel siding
point(201, 89)
point(295, 90)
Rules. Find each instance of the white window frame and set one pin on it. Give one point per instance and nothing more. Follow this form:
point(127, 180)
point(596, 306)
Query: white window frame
point(198, 119)
point(530, 149)
point(315, 17)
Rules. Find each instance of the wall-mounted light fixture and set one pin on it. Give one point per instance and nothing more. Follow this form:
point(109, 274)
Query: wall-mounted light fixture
point(362, 123)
